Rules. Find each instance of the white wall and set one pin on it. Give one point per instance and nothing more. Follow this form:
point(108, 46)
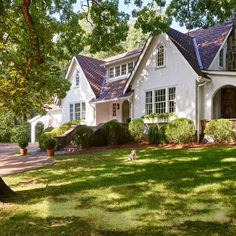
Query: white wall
point(177, 73)
point(218, 81)
point(81, 93)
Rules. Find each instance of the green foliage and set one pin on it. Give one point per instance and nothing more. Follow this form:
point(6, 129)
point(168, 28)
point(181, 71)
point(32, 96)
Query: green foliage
point(136, 129)
point(47, 141)
point(180, 130)
point(20, 135)
point(63, 128)
point(5, 134)
point(112, 132)
point(220, 129)
point(161, 116)
point(39, 129)
point(162, 135)
point(83, 136)
point(153, 134)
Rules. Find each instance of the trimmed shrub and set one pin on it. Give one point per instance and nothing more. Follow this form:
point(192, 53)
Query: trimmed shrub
point(5, 134)
point(63, 128)
point(83, 136)
point(136, 129)
point(180, 130)
point(112, 132)
point(220, 129)
point(47, 142)
point(153, 134)
point(20, 135)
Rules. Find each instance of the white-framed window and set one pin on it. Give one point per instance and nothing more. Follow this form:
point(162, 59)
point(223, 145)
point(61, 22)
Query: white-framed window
point(160, 57)
point(77, 111)
point(130, 66)
point(77, 78)
point(148, 105)
point(111, 72)
point(124, 69)
point(160, 101)
point(221, 58)
point(114, 109)
point(117, 69)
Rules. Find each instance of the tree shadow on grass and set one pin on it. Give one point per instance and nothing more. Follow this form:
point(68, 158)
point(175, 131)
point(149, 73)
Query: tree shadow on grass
point(182, 182)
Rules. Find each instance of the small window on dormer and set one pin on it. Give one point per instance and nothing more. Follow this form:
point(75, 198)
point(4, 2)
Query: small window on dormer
point(123, 69)
point(130, 66)
point(117, 71)
point(221, 58)
point(111, 72)
point(160, 58)
point(77, 78)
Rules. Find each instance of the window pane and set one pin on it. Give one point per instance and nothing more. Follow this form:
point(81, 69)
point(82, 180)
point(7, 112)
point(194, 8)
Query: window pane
point(148, 101)
point(160, 56)
point(123, 69)
point(77, 78)
point(172, 100)
point(117, 71)
point(71, 111)
point(111, 72)
point(160, 101)
point(83, 110)
point(221, 58)
point(77, 111)
point(130, 66)
point(114, 109)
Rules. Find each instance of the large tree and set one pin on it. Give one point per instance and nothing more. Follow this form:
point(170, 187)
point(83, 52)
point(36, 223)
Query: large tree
point(36, 36)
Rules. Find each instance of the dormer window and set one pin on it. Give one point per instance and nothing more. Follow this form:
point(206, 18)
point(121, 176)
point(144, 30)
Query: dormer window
point(123, 69)
point(221, 58)
point(130, 66)
point(77, 78)
point(160, 57)
point(117, 69)
point(111, 72)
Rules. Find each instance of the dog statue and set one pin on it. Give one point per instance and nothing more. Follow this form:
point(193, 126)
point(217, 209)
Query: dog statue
point(132, 155)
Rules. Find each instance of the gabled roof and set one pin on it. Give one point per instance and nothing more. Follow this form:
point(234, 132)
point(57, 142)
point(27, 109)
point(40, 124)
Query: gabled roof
point(210, 40)
point(186, 46)
point(94, 72)
point(113, 90)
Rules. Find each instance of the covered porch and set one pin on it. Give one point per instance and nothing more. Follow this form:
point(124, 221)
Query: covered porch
point(119, 109)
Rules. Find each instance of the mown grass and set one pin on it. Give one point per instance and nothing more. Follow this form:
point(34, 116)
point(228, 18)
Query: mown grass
point(164, 192)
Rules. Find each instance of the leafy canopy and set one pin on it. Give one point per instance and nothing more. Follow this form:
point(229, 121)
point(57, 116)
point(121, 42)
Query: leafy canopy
point(36, 37)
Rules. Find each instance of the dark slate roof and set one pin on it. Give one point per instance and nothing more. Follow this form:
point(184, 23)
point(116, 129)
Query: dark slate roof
point(210, 40)
point(186, 46)
point(94, 72)
point(113, 90)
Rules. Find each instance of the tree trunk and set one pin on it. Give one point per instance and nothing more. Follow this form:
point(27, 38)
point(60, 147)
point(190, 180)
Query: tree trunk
point(5, 192)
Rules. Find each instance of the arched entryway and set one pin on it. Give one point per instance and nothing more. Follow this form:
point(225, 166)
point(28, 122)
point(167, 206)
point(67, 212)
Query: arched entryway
point(125, 111)
point(224, 103)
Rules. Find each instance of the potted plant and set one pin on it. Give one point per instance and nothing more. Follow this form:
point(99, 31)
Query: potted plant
point(23, 143)
point(20, 135)
point(49, 144)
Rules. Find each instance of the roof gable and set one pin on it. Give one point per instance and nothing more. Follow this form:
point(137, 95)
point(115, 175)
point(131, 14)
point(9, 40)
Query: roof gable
point(93, 71)
point(209, 41)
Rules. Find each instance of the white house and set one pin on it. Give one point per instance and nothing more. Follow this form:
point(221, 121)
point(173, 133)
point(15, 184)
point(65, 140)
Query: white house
point(192, 75)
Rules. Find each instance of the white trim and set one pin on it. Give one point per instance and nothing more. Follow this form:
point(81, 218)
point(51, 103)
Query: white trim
point(34, 118)
point(222, 45)
point(69, 69)
point(112, 100)
point(219, 72)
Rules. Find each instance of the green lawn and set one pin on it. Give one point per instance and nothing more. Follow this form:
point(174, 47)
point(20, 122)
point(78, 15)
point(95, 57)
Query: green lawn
point(164, 192)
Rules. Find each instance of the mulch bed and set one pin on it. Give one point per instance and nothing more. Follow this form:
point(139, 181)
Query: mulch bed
point(146, 145)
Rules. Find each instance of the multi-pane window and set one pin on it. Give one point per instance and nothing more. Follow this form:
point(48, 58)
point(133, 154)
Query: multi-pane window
point(117, 69)
point(124, 69)
point(148, 106)
point(221, 58)
point(160, 58)
point(130, 66)
point(77, 111)
point(160, 101)
point(111, 72)
point(114, 109)
point(77, 78)
point(172, 99)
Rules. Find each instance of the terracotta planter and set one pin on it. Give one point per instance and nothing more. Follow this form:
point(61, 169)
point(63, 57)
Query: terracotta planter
point(50, 152)
point(23, 151)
